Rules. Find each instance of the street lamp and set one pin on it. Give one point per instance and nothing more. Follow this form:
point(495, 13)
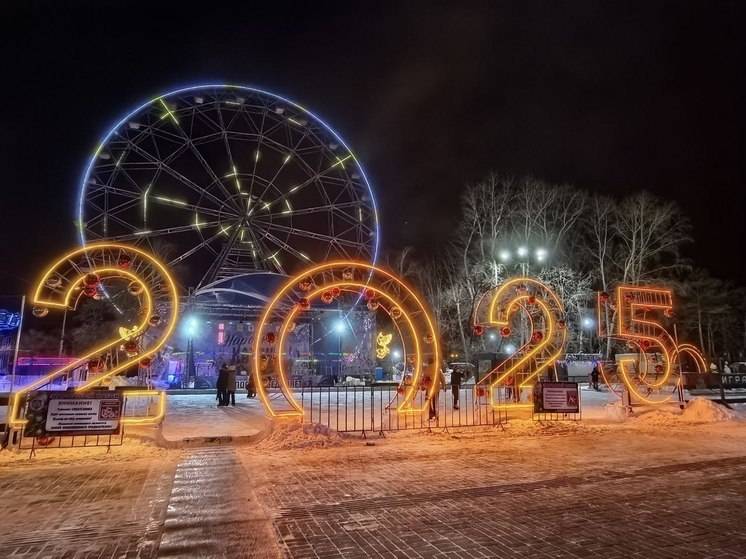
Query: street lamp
point(504, 256)
point(541, 254)
point(522, 251)
point(587, 322)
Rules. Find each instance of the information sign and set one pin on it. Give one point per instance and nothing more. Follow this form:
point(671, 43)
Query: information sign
point(69, 413)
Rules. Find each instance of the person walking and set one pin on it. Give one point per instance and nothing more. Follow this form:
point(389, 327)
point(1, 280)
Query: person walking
point(250, 387)
point(457, 376)
point(222, 385)
point(230, 387)
point(594, 376)
point(440, 381)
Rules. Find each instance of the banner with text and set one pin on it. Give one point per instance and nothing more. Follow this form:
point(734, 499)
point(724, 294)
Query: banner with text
point(61, 413)
point(557, 397)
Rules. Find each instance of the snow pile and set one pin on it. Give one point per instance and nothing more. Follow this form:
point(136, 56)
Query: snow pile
point(287, 436)
point(698, 410)
point(615, 412)
point(702, 410)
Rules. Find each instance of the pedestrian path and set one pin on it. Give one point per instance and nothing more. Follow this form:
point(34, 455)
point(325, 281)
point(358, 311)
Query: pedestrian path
point(212, 512)
point(197, 417)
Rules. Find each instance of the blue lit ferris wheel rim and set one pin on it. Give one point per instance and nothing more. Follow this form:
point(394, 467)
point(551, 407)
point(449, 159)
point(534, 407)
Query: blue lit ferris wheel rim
point(112, 131)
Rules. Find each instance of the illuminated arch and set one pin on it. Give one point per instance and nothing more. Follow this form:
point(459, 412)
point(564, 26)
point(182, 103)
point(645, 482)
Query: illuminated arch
point(62, 286)
point(363, 281)
point(546, 342)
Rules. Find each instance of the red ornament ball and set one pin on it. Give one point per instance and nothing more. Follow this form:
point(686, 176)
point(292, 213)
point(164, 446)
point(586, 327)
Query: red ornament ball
point(505, 331)
point(531, 300)
point(304, 304)
point(40, 312)
point(659, 368)
point(146, 362)
point(396, 313)
point(130, 346)
point(90, 291)
point(604, 296)
point(327, 297)
point(348, 274)
point(270, 337)
point(154, 320)
point(481, 392)
point(561, 324)
point(336, 292)
point(305, 285)
point(91, 280)
point(124, 261)
point(478, 330)
point(372, 305)
point(536, 337)
point(369, 294)
point(427, 338)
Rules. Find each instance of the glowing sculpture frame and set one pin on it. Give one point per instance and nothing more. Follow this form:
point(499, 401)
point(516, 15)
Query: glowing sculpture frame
point(392, 295)
point(496, 308)
point(60, 286)
point(631, 302)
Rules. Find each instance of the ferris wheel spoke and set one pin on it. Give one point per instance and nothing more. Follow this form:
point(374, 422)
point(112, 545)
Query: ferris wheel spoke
point(308, 234)
point(180, 204)
point(195, 249)
point(302, 256)
point(150, 233)
point(311, 180)
point(178, 176)
point(314, 210)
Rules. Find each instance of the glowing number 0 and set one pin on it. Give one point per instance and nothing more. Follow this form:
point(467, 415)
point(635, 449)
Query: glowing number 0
point(80, 273)
point(322, 285)
point(546, 341)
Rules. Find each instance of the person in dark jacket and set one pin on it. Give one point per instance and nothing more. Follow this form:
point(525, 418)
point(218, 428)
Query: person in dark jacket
point(222, 385)
point(457, 377)
point(250, 387)
point(594, 376)
point(230, 387)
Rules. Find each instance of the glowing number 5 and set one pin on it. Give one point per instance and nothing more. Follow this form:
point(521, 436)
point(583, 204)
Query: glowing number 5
point(635, 322)
point(80, 274)
point(545, 343)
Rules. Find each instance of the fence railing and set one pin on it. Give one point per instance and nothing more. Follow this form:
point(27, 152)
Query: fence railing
point(375, 409)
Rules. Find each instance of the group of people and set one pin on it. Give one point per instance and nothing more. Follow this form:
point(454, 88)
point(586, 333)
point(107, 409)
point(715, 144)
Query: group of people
point(226, 386)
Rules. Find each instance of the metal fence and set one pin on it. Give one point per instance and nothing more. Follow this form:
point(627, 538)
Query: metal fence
point(373, 409)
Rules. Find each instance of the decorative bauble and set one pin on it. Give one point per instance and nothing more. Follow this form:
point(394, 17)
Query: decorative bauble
point(91, 280)
point(146, 362)
point(427, 382)
point(327, 297)
point(604, 297)
point(305, 285)
point(304, 304)
point(659, 368)
point(53, 282)
point(536, 337)
point(135, 288)
point(90, 291)
point(531, 300)
point(668, 313)
point(372, 305)
point(124, 261)
point(40, 312)
point(481, 392)
point(369, 294)
point(561, 324)
point(130, 347)
point(645, 344)
point(336, 292)
point(505, 331)
point(348, 274)
point(270, 337)
point(427, 338)
point(628, 298)
point(396, 313)
point(478, 330)
point(154, 320)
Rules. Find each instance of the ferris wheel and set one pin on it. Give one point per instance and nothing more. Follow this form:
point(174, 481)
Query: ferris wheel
point(223, 180)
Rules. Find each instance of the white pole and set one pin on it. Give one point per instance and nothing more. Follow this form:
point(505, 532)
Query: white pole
point(18, 343)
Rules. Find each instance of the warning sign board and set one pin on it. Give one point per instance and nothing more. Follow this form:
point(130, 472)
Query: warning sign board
point(557, 397)
point(72, 413)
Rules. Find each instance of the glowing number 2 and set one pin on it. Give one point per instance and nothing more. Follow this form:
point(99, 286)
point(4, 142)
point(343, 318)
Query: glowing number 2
point(546, 343)
point(79, 274)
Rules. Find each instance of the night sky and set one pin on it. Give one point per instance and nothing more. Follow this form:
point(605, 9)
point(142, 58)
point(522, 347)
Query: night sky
point(610, 96)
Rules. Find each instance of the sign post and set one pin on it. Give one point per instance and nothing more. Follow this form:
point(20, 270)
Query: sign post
point(560, 398)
